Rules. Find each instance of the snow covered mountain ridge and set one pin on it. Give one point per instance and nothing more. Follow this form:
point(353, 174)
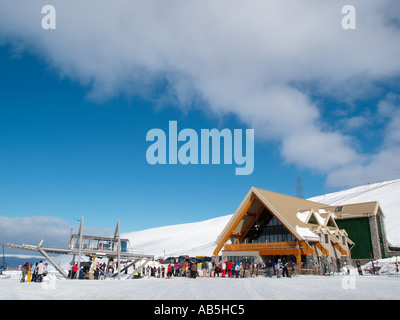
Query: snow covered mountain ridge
point(198, 238)
point(388, 195)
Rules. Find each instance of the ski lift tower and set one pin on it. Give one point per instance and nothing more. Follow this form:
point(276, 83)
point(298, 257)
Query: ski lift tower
point(96, 246)
point(93, 247)
point(4, 259)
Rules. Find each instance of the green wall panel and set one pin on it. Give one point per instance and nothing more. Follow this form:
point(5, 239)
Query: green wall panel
point(359, 232)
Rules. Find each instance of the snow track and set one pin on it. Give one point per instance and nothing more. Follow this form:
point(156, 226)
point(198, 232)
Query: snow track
point(260, 288)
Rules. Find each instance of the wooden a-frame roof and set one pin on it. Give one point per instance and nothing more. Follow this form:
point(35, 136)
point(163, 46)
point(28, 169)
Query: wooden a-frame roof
point(290, 212)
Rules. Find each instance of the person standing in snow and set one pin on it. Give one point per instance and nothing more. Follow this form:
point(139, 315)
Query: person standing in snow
point(284, 268)
point(3, 267)
point(268, 271)
point(359, 267)
point(169, 271)
point(216, 269)
point(162, 272)
point(278, 268)
point(209, 268)
point(229, 268)
point(74, 270)
point(24, 271)
point(39, 271)
point(198, 268)
point(223, 268)
point(204, 268)
point(34, 272)
point(273, 267)
point(193, 270)
point(184, 268)
point(176, 266)
point(237, 270)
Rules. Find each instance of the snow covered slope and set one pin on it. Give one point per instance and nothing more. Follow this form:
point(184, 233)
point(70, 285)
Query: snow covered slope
point(198, 238)
point(193, 239)
point(388, 195)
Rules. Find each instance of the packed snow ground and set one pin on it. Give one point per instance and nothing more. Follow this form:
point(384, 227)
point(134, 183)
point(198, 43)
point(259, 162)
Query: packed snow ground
point(351, 287)
point(198, 239)
point(340, 286)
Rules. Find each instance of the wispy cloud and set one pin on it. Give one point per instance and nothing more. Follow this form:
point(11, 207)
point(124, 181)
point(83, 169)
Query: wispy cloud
point(265, 61)
point(32, 229)
point(384, 163)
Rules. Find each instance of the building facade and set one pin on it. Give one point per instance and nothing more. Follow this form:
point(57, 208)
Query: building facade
point(270, 225)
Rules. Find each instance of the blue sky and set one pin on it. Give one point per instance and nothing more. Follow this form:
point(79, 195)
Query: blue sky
point(67, 156)
point(77, 102)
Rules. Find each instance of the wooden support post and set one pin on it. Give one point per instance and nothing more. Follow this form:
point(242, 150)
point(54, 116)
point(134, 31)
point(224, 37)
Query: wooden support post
point(234, 225)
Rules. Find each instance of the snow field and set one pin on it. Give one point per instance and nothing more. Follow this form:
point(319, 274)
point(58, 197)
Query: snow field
point(198, 239)
point(337, 287)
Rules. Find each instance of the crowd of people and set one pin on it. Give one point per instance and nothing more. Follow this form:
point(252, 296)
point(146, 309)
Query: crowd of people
point(33, 273)
point(98, 272)
point(180, 268)
point(228, 269)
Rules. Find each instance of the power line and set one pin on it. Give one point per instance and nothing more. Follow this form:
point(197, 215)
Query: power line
point(299, 188)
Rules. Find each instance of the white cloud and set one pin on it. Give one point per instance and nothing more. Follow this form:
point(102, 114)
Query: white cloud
point(384, 164)
point(244, 57)
point(32, 229)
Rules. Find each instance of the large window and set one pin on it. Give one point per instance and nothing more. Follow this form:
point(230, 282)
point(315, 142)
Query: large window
point(242, 259)
point(267, 229)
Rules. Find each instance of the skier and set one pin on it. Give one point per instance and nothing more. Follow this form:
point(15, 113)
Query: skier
point(285, 269)
point(274, 267)
point(148, 271)
point(223, 268)
point(229, 268)
point(34, 272)
point(268, 271)
point(204, 268)
point(242, 270)
point(237, 270)
point(345, 269)
point(3, 268)
point(39, 271)
point(162, 271)
point(74, 270)
point(169, 274)
point(359, 267)
point(209, 268)
point(193, 270)
point(176, 266)
point(217, 269)
point(24, 270)
point(278, 268)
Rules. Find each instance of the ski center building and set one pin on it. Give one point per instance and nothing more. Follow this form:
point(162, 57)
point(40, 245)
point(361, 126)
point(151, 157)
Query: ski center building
point(270, 225)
